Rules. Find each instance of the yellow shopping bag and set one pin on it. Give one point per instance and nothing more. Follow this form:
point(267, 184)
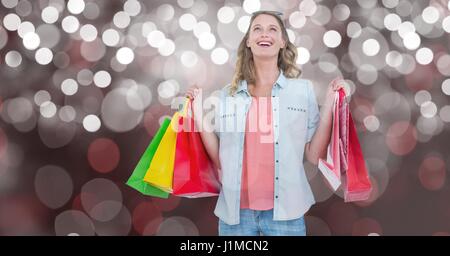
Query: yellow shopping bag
point(160, 172)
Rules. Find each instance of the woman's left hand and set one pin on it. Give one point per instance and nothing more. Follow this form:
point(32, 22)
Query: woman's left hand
point(335, 85)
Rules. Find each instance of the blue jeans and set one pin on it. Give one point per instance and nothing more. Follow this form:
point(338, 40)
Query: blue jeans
point(255, 223)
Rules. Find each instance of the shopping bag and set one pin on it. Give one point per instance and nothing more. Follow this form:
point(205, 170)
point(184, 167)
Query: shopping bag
point(345, 162)
point(160, 172)
point(194, 174)
point(136, 179)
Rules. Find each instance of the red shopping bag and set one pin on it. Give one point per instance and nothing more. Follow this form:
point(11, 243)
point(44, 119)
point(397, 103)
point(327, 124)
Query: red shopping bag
point(194, 174)
point(345, 162)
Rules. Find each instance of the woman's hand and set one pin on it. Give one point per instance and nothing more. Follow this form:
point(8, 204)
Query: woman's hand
point(192, 92)
point(335, 85)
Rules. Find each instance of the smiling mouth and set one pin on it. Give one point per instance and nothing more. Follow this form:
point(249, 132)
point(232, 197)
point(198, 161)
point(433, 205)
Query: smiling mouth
point(264, 44)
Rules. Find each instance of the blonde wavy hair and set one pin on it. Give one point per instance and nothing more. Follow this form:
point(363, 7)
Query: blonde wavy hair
point(245, 69)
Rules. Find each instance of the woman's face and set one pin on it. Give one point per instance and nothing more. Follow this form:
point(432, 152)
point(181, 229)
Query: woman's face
point(265, 37)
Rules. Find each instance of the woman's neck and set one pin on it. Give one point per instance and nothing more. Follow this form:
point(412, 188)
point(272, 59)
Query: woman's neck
point(267, 72)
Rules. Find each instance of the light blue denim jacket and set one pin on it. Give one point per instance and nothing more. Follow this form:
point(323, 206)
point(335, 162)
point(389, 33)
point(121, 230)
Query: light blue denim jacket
point(295, 118)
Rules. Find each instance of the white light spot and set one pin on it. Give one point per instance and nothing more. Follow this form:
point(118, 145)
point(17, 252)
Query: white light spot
point(102, 79)
point(189, 59)
point(394, 59)
point(48, 109)
point(185, 3)
point(411, 41)
point(251, 6)
point(41, 96)
point(167, 48)
point(225, 14)
point(243, 23)
point(219, 56)
point(371, 47)
point(207, 41)
point(372, 123)
point(44, 56)
point(31, 41)
point(187, 21)
point(121, 20)
point(421, 97)
point(332, 39)
point(430, 15)
point(168, 89)
point(446, 24)
point(50, 14)
point(406, 28)
point(446, 86)
point(13, 59)
point(132, 7)
point(353, 29)
point(25, 28)
point(110, 37)
point(11, 21)
point(88, 33)
point(308, 7)
point(156, 38)
point(91, 123)
point(303, 55)
point(200, 28)
point(70, 24)
point(424, 56)
point(392, 21)
point(297, 19)
point(165, 12)
point(75, 6)
point(428, 109)
point(69, 87)
point(125, 55)
point(67, 114)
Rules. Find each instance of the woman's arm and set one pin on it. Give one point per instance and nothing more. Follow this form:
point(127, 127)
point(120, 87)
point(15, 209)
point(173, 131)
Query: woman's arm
point(317, 147)
point(209, 138)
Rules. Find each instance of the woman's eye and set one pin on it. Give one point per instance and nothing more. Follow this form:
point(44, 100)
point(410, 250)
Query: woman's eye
point(255, 29)
point(273, 29)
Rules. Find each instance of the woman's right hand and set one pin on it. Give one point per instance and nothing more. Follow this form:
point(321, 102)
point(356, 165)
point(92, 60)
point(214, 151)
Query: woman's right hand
point(192, 92)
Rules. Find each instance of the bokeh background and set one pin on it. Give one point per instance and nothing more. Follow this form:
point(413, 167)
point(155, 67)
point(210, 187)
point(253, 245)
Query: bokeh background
point(84, 86)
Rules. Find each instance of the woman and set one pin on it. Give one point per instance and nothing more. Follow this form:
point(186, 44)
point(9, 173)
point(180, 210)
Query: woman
point(264, 186)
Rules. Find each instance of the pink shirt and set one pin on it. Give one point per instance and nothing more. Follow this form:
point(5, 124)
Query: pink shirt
point(258, 166)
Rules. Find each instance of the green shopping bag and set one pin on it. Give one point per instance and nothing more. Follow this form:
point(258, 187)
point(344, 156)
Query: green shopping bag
point(136, 179)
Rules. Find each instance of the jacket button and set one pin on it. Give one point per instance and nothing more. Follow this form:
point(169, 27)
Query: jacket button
point(276, 161)
point(276, 178)
point(276, 197)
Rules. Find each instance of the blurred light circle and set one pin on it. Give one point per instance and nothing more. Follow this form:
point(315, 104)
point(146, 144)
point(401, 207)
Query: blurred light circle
point(367, 74)
point(408, 64)
point(167, 48)
point(291, 35)
point(19, 109)
point(24, 28)
point(404, 8)
point(444, 113)
point(430, 15)
point(67, 114)
point(91, 123)
point(322, 15)
point(428, 109)
point(93, 51)
point(219, 56)
point(117, 114)
point(110, 37)
point(367, 4)
point(132, 7)
point(308, 7)
point(207, 41)
point(341, 12)
point(31, 41)
point(91, 11)
point(411, 41)
point(148, 27)
point(69, 87)
point(61, 60)
point(52, 132)
point(251, 6)
point(41, 96)
point(11, 21)
point(156, 38)
point(102, 79)
point(401, 138)
point(70, 24)
point(53, 186)
point(446, 86)
point(443, 64)
point(421, 97)
point(297, 19)
point(424, 56)
point(103, 154)
point(24, 8)
point(200, 28)
point(428, 127)
point(185, 3)
point(328, 63)
point(146, 218)
point(73, 222)
point(165, 12)
point(371, 123)
point(243, 23)
point(13, 59)
point(75, 6)
point(168, 89)
point(85, 77)
point(120, 225)
point(371, 47)
point(225, 15)
point(3, 37)
point(101, 199)
point(392, 21)
point(88, 33)
point(48, 109)
point(446, 24)
point(139, 97)
point(405, 28)
point(390, 3)
point(177, 226)
point(187, 21)
point(394, 59)
point(44, 56)
point(125, 55)
point(189, 59)
point(50, 14)
point(332, 39)
point(9, 3)
point(121, 19)
point(49, 35)
point(432, 173)
point(353, 29)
